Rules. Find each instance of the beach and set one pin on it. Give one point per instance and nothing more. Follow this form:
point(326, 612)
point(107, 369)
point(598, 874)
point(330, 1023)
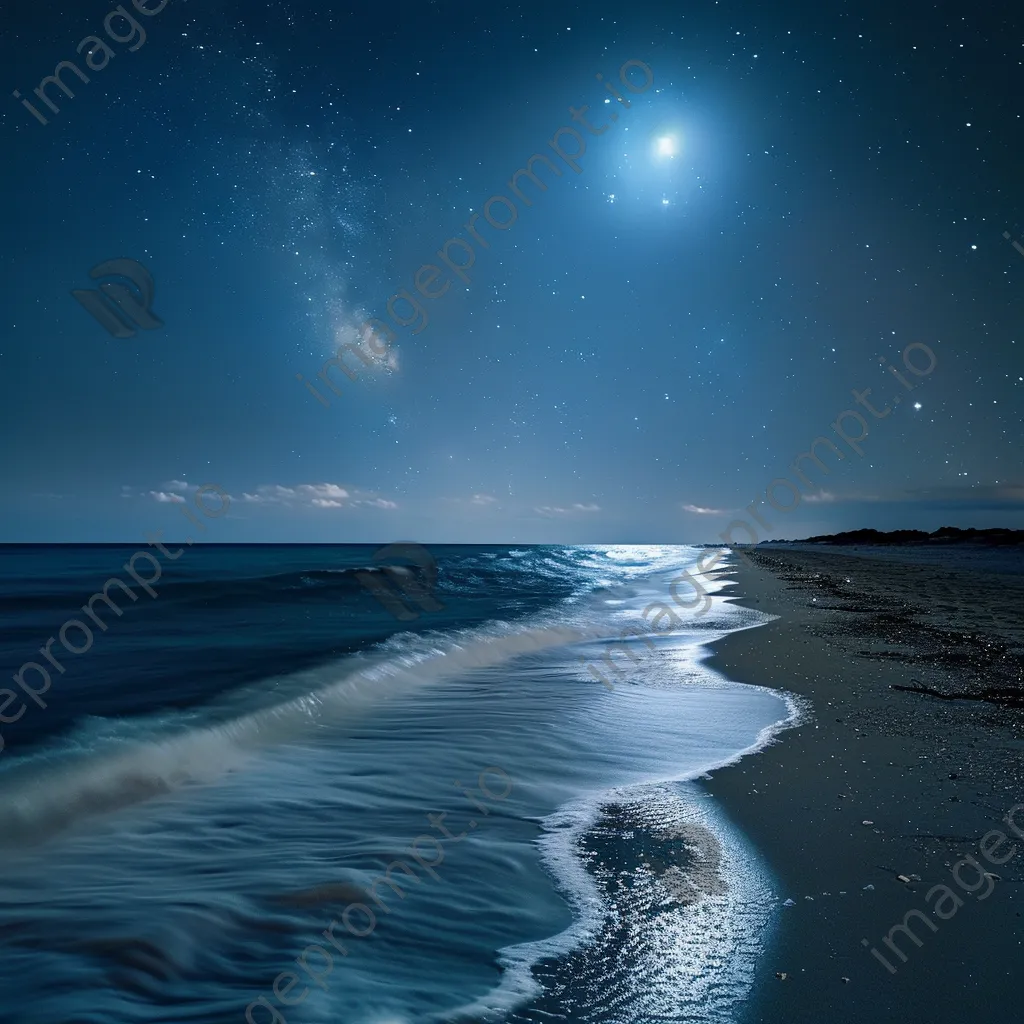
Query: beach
point(933, 777)
point(262, 797)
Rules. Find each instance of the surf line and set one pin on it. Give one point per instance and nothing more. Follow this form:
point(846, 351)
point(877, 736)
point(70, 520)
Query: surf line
point(704, 568)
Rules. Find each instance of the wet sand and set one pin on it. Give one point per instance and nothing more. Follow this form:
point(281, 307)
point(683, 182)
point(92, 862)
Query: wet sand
point(676, 931)
point(933, 774)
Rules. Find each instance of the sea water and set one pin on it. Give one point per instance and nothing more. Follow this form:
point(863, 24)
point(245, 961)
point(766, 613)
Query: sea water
point(229, 769)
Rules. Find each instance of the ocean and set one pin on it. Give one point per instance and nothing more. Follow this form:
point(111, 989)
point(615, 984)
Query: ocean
point(260, 796)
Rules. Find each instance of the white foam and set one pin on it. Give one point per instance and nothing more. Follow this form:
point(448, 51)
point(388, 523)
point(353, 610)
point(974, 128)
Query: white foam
point(103, 768)
point(559, 848)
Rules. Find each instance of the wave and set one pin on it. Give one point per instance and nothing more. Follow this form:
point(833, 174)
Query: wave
point(610, 923)
point(322, 773)
point(107, 765)
point(95, 772)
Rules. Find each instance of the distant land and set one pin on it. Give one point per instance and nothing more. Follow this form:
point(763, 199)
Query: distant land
point(946, 536)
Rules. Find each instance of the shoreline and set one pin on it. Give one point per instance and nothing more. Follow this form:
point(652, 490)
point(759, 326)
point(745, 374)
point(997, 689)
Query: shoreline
point(932, 776)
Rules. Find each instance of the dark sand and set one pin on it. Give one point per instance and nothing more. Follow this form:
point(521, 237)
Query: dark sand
point(934, 776)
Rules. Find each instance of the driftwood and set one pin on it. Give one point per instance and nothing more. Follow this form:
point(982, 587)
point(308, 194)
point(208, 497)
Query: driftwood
point(993, 695)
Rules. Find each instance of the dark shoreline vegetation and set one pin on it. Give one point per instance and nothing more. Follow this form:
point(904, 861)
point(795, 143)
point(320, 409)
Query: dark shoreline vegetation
point(945, 535)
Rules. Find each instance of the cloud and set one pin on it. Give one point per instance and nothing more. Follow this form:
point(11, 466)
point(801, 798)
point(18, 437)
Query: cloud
point(269, 494)
point(699, 510)
point(981, 496)
point(315, 496)
point(949, 498)
point(348, 333)
point(551, 511)
point(170, 492)
point(311, 496)
point(480, 500)
point(323, 492)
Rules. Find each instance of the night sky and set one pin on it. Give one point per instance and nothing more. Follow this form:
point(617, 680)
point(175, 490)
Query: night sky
point(802, 190)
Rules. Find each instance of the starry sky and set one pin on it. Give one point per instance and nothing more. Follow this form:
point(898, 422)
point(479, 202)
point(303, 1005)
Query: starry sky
point(793, 193)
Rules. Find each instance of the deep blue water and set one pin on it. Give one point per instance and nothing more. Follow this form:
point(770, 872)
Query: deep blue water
point(220, 778)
